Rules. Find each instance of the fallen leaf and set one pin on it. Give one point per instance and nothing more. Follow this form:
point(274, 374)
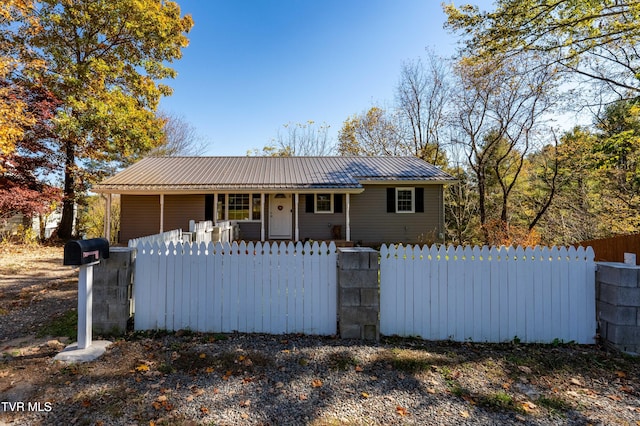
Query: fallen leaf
point(228, 374)
point(621, 374)
point(198, 391)
point(202, 355)
point(209, 370)
point(204, 410)
point(575, 381)
point(279, 385)
point(303, 397)
point(464, 414)
point(528, 406)
point(316, 383)
point(245, 416)
point(525, 369)
point(161, 398)
point(614, 397)
point(86, 403)
point(245, 403)
point(431, 390)
point(401, 411)
point(359, 369)
point(471, 400)
point(627, 389)
point(241, 358)
point(142, 367)
point(364, 395)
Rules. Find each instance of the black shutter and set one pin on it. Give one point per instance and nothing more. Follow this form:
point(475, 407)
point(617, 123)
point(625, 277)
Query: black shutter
point(337, 203)
point(309, 203)
point(419, 200)
point(208, 207)
point(391, 200)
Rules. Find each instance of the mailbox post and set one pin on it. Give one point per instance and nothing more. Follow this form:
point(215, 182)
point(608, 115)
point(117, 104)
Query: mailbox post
point(85, 254)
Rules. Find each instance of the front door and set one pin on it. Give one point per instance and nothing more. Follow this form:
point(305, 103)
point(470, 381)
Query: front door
point(280, 216)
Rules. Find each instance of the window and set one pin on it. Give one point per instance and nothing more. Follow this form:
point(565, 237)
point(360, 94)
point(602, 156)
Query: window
point(256, 204)
point(405, 200)
point(324, 203)
point(240, 207)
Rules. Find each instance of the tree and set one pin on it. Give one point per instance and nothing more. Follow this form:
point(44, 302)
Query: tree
point(500, 107)
point(179, 137)
point(14, 116)
point(374, 132)
point(23, 172)
point(422, 97)
point(104, 60)
point(593, 40)
point(298, 139)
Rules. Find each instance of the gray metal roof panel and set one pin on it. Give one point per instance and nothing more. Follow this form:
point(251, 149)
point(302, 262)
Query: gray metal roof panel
point(269, 172)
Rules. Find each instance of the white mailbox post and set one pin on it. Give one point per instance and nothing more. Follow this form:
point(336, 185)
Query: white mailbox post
point(84, 254)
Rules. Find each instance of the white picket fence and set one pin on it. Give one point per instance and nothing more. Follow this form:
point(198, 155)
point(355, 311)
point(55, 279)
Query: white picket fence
point(164, 237)
point(261, 288)
point(488, 294)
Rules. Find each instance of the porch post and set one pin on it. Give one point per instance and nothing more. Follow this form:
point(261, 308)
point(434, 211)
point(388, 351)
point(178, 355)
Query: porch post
point(161, 213)
point(215, 208)
point(348, 218)
point(107, 217)
point(262, 216)
point(297, 233)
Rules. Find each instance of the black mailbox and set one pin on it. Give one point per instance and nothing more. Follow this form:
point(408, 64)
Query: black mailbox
point(82, 252)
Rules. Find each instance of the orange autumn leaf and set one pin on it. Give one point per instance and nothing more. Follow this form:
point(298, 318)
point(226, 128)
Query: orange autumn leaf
point(364, 395)
point(359, 369)
point(142, 367)
point(621, 374)
point(204, 410)
point(401, 411)
point(316, 383)
point(202, 355)
point(209, 370)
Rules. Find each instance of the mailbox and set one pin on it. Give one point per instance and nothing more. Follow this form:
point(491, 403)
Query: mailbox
point(83, 252)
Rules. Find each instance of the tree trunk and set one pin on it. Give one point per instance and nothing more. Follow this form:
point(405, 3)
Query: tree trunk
point(65, 228)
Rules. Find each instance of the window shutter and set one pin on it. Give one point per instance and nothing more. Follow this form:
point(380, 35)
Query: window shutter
point(419, 200)
point(309, 203)
point(391, 200)
point(208, 207)
point(337, 203)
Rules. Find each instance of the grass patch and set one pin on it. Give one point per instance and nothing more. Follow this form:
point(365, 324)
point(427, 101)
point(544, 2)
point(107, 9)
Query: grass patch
point(65, 325)
point(554, 404)
point(499, 401)
point(343, 361)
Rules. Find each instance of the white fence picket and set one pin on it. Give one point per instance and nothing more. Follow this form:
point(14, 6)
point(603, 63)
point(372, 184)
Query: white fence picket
point(242, 287)
point(488, 294)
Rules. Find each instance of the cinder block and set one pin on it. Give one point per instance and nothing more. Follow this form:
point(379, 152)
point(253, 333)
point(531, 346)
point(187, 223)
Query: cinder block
point(370, 297)
point(619, 296)
point(350, 331)
point(357, 258)
point(349, 297)
point(623, 335)
point(371, 332)
point(620, 275)
point(358, 278)
point(619, 315)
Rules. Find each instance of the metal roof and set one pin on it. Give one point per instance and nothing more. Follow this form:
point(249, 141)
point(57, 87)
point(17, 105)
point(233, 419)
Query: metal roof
point(155, 174)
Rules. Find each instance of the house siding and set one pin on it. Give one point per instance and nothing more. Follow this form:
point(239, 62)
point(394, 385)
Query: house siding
point(180, 209)
point(140, 216)
point(318, 226)
point(372, 225)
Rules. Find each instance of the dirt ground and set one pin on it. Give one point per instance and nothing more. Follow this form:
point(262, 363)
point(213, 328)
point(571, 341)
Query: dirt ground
point(194, 378)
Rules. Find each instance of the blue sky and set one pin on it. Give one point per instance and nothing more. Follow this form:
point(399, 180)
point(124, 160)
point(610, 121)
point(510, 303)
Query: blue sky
point(253, 66)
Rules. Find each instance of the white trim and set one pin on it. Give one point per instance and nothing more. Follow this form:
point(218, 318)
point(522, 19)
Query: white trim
point(161, 213)
point(413, 199)
point(297, 217)
point(348, 217)
point(261, 216)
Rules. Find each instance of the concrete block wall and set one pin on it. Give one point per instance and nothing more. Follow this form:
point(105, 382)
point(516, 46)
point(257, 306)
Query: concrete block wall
point(618, 305)
point(112, 291)
point(358, 293)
